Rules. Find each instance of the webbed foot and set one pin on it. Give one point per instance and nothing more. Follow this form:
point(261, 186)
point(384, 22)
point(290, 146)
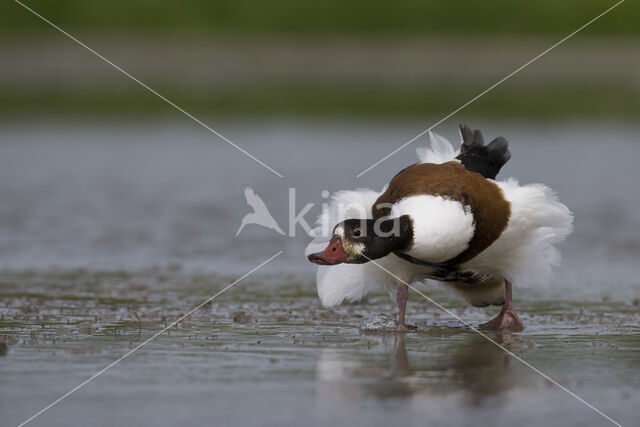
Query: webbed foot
point(507, 320)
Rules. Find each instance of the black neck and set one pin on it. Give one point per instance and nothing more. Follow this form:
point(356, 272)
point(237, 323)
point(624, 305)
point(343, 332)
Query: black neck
point(391, 235)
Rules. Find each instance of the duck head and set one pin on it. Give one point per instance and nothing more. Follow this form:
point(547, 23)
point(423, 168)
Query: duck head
point(356, 241)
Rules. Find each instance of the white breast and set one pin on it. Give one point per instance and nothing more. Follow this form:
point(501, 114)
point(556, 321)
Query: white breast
point(442, 228)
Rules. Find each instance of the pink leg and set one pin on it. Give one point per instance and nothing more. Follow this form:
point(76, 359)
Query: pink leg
point(402, 295)
point(507, 320)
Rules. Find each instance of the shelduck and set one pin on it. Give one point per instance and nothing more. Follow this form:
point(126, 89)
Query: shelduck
point(445, 219)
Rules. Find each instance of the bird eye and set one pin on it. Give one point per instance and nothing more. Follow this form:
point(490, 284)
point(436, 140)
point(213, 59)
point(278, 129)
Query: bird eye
point(356, 232)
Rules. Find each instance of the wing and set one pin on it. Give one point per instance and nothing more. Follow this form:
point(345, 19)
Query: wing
point(450, 194)
point(254, 200)
point(487, 160)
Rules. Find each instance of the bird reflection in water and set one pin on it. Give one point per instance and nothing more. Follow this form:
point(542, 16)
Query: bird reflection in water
point(450, 363)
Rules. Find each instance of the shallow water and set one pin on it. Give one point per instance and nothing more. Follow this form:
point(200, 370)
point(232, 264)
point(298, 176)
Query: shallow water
point(266, 353)
point(109, 231)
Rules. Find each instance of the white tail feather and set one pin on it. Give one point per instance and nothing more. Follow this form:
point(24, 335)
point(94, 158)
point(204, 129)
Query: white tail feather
point(441, 150)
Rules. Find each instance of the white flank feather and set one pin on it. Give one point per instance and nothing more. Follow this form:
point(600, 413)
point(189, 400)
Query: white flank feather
point(525, 253)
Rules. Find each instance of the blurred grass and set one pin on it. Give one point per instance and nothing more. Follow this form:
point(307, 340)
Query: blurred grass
point(556, 101)
point(250, 18)
point(362, 23)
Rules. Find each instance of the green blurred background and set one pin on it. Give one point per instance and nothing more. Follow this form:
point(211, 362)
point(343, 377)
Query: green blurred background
point(406, 58)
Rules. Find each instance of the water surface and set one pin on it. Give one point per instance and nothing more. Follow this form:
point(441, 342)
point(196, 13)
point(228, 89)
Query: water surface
point(109, 231)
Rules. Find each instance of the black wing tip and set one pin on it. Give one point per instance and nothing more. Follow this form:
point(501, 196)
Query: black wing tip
point(499, 150)
point(470, 138)
point(484, 159)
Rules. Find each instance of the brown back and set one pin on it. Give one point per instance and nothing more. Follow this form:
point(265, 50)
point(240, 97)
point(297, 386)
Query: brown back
point(451, 180)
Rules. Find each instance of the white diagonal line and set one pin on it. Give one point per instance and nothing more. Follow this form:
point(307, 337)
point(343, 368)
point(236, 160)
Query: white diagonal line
point(153, 91)
point(493, 86)
point(67, 394)
point(452, 314)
